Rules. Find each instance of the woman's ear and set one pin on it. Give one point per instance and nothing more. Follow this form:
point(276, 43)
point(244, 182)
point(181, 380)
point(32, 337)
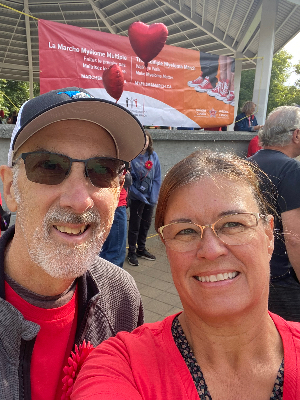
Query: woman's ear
point(6, 175)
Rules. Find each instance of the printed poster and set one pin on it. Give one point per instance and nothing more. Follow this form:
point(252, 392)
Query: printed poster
point(181, 87)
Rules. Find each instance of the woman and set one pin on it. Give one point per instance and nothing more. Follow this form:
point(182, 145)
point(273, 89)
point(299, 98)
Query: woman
point(246, 121)
point(143, 194)
point(225, 345)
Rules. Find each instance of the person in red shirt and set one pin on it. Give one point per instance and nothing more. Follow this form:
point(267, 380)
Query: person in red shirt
point(114, 247)
point(253, 146)
point(63, 180)
point(213, 220)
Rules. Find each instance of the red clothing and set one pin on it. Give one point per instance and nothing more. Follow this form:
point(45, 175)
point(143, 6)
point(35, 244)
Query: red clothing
point(147, 365)
point(214, 128)
point(53, 344)
point(123, 198)
point(253, 146)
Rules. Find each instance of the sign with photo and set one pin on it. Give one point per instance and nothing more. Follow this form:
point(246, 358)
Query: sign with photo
point(180, 88)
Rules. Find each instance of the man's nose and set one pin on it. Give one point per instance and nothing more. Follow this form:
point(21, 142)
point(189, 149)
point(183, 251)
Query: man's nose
point(76, 190)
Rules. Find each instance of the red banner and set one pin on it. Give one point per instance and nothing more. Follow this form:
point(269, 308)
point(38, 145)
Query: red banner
point(181, 88)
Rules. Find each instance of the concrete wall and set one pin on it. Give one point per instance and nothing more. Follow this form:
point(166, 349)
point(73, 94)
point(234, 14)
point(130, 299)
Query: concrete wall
point(170, 145)
point(173, 145)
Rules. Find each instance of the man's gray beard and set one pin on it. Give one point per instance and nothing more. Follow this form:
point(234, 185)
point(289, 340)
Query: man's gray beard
point(60, 260)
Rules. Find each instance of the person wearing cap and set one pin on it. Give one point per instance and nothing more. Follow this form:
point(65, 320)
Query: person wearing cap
point(63, 179)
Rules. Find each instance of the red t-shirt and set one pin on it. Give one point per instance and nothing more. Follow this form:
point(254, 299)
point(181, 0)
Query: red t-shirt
point(123, 198)
point(146, 364)
point(253, 146)
point(53, 344)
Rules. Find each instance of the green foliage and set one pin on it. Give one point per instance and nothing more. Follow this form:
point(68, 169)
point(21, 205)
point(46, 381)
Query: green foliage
point(297, 71)
point(246, 89)
point(14, 93)
point(279, 93)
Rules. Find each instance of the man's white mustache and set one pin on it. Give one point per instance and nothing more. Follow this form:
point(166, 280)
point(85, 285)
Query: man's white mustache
point(66, 216)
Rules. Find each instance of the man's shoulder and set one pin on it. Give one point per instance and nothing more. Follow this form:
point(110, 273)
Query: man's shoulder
point(275, 161)
point(113, 282)
point(104, 272)
point(116, 303)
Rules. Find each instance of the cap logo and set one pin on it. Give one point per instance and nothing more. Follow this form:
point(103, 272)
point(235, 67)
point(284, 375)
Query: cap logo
point(75, 94)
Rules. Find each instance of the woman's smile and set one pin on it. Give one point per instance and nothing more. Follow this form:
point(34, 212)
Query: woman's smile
point(218, 277)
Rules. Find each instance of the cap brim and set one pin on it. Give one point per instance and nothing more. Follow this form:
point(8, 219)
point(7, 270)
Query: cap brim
point(126, 131)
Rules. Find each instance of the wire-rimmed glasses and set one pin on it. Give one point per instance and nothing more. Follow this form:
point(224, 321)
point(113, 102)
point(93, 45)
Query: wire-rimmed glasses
point(232, 229)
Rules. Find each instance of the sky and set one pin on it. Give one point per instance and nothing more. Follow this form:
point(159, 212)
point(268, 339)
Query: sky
point(293, 48)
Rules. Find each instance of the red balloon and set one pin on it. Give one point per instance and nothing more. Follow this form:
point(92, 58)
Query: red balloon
point(147, 41)
point(113, 81)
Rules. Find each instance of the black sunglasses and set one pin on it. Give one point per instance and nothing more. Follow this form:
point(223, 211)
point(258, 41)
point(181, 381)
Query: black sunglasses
point(51, 169)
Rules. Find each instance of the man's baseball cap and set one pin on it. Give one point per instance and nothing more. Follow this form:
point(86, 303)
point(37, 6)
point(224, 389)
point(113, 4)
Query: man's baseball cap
point(75, 103)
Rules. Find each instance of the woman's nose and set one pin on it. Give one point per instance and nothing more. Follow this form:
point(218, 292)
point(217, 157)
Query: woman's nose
point(210, 246)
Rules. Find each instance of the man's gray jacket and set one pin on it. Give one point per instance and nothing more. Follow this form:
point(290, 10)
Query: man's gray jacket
point(108, 302)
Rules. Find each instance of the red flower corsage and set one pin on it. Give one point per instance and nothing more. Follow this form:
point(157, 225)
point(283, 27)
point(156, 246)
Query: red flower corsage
point(71, 371)
point(148, 164)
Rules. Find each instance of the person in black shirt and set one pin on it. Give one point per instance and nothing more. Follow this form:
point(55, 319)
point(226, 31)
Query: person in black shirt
point(280, 138)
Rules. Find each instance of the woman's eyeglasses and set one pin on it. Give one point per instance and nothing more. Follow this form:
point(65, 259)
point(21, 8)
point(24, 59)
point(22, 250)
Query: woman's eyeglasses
point(51, 169)
point(233, 229)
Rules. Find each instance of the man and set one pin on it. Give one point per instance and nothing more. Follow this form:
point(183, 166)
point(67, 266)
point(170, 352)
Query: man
point(63, 179)
point(280, 139)
point(114, 247)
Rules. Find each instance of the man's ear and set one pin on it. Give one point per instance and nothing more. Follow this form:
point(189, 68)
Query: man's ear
point(296, 136)
point(6, 175)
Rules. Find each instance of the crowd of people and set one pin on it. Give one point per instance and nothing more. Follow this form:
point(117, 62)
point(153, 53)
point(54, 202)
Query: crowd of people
point(72, 324)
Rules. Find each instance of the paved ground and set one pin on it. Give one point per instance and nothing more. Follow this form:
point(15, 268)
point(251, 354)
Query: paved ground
point(155, 283)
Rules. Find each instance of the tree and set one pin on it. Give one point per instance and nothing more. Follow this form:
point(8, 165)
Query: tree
point(247, 85)
point(14, 93)
point(279, 93)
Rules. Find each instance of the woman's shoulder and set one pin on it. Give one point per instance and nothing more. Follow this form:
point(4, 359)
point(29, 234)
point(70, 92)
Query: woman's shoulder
point(289, 330)
point(141, 336)
point(148, 329)
point(154, 156)
point(149, 337)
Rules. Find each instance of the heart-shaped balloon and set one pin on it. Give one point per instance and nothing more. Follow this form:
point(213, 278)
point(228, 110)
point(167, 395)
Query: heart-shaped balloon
point(147, 41)
point(113, 81)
